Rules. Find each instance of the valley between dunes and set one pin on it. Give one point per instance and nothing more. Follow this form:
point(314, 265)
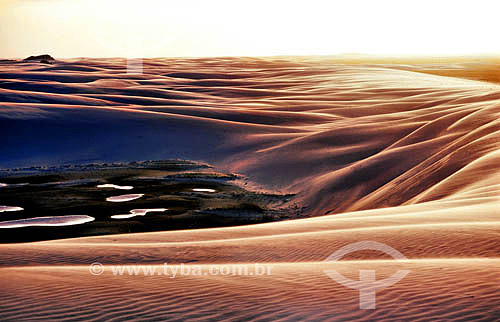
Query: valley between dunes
point(372, 152)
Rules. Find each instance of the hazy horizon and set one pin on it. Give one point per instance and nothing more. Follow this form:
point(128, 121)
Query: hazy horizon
point(368, 57)
point(157, 29)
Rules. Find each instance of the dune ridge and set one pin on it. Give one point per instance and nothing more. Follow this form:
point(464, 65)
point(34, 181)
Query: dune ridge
point(372, 152)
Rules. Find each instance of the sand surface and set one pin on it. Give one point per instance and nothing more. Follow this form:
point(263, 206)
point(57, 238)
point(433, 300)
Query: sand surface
point(376, 153)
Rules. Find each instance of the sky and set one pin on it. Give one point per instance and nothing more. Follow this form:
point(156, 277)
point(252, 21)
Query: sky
point(191, 28)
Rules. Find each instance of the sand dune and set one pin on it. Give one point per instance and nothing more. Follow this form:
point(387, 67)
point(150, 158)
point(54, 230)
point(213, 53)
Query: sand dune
point(372, 153)
point(351, 131)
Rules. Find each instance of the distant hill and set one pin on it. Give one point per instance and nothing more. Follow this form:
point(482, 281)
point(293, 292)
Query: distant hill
point(46, 59)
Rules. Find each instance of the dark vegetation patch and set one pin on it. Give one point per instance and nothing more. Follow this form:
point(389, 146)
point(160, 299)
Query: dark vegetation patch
point(72, 190)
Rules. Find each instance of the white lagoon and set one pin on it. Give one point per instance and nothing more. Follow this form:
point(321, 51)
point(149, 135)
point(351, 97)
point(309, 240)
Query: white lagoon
point(114, 186)
point(9, 208)
point(46, 221)
point(203, 190)
point(124, 198)
point(138, 212)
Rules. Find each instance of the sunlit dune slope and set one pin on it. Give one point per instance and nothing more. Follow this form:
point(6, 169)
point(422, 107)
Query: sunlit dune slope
point(343, 137)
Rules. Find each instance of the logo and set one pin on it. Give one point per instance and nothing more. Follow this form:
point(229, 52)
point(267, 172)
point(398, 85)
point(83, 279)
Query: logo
point(367, 284)
point(96, 268)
